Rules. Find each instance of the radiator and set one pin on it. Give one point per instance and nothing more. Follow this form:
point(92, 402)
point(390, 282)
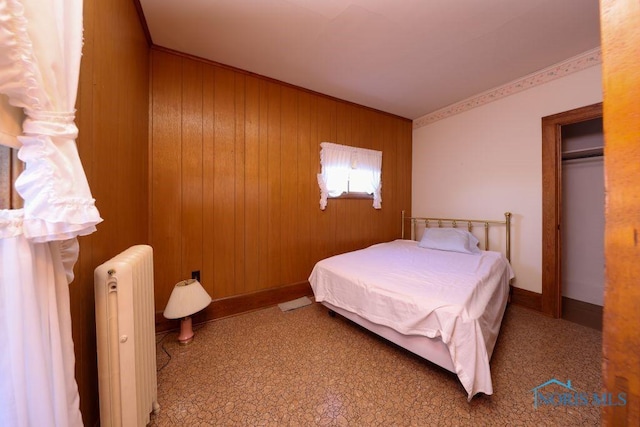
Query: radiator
point(125, 335)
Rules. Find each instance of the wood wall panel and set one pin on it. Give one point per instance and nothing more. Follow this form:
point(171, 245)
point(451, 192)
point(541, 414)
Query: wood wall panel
point(223, 183)
point(274, 178)
point(191, 167)
point(81, 291)
point(391, 186)
point(113, 122)
point(289, 166)
point(263, 190)
point(304, 195)
point(208, 145)
point(166, 171)
point(240, 187)
point(326, 220)
point(342, 233)
point(250, 199)
point(252, 166)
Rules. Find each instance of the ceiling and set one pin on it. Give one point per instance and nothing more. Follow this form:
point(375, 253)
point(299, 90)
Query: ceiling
point(405, 57)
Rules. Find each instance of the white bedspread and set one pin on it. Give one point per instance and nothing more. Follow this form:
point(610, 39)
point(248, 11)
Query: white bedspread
point(416, 291)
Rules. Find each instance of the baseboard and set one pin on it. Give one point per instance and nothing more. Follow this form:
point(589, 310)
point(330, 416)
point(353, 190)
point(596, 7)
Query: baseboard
point(581, 312)
point(525, 298)
point(230, 306)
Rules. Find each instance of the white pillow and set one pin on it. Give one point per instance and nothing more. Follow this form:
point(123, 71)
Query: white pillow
point(449, 239)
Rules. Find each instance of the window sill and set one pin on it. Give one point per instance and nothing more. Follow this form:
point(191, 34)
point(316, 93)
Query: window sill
point(353, 196)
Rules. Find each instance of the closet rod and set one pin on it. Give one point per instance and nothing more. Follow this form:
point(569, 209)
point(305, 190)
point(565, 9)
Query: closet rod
point(582, 153)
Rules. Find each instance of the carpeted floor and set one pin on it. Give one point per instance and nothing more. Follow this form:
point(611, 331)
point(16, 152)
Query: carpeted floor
point(305, 368)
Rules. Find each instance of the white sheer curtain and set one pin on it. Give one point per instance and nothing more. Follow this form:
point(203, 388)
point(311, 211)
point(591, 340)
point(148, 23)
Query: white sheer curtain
point(40, 49)
point(340, 163)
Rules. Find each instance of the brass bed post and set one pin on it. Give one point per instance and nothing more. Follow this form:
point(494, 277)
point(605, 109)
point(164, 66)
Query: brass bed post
point(507, 216)
point(402, 235)
point(486, 236)
point(413, 229)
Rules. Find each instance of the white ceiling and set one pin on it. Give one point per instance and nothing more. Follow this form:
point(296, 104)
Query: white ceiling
point(405, 57)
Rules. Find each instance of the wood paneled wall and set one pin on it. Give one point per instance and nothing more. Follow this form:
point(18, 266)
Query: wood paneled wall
point(113, 122)
point(234, 193)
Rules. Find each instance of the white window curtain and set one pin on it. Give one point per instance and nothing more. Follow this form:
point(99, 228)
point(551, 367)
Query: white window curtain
point(340, 163)
point(40, 49)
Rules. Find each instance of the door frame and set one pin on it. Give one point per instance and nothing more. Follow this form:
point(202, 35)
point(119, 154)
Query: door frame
point(552, 202)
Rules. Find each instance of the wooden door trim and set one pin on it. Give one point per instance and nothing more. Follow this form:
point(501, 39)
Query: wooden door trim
point(552, 202)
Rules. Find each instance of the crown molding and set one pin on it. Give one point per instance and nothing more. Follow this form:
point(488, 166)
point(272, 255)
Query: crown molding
point(577, 63)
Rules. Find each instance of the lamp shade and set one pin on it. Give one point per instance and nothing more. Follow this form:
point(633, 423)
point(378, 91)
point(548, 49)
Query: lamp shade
point(188, 297)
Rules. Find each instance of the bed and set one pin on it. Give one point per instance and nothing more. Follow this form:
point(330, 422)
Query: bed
point(439, 296)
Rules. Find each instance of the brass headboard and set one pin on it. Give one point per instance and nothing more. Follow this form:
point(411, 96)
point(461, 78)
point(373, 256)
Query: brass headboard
point(469, 223)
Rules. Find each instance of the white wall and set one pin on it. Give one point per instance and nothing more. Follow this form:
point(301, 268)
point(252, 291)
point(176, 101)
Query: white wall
point(583, 230)
point(488, 160)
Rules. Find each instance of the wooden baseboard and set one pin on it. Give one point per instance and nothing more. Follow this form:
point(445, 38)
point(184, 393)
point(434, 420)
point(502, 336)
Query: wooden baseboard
point(525, 298)
point(238, 304)
point(581, 312)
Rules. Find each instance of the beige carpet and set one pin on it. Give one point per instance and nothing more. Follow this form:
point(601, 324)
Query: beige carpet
point(305, 368)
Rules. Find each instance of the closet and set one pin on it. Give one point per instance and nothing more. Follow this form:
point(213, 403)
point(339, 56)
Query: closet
point(582, 232)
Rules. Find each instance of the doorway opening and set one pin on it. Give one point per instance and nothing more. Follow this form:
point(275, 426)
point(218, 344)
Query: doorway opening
point(552, 202)
point(582, 223)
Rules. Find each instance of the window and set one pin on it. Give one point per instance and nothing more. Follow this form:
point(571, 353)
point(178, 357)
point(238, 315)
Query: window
point(10, 168)
point(347, 170)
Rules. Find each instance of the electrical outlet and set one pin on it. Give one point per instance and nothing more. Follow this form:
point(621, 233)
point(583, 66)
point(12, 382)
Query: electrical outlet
point(195, 275)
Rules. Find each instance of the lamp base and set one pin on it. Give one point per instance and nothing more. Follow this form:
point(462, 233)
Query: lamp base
point(186, 331)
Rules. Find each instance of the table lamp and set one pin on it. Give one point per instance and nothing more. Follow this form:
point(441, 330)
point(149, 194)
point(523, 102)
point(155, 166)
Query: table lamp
point(187, 298)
